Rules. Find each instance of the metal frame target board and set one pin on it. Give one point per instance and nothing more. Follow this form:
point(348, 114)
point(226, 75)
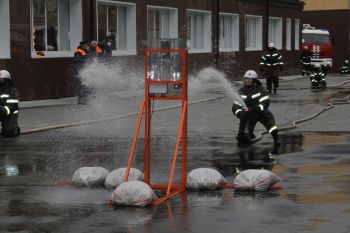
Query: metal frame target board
point(165, 79)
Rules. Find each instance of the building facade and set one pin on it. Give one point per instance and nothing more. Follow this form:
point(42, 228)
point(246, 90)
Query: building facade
point(333, 15)
point(38, 37)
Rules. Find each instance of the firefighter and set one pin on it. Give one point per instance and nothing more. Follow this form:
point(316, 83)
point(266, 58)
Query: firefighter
point(8, 106)
point(345, 69)
point(81, 53)
point(81, 56)
point(256, 110)
point(318, 77)
point(106, 45)
point(95, 50)
point(271, 63)
point(305, 59)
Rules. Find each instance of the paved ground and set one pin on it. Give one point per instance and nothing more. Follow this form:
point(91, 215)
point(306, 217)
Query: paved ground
point(313, 163)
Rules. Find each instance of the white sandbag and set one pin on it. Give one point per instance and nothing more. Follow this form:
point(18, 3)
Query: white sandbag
point(133, 193)
point(116, 177)
point(90, 176)
point(204, 179)
point(255, 179)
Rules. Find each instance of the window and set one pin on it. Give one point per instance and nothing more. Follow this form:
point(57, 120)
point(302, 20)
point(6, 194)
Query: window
point(316, 38)
point(275, 32)
point(117, 20)
point(162, 23)
point(296, 34)
point(56, 27)
point(229, 32)
point(4, 29)
point(288, 34)
point(253, 33)
point(198, 31)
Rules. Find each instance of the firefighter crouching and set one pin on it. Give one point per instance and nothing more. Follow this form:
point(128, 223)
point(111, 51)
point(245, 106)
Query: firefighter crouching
point(305, 59)
point(257, 102)
point(271, 63)
point(345, 69)
point(8, 106)
point(318, 77)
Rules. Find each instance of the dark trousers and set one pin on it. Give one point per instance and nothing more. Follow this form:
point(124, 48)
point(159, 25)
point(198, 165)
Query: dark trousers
point(247, 125)
point(9, 126)
point(272, 79)
point(81, 91)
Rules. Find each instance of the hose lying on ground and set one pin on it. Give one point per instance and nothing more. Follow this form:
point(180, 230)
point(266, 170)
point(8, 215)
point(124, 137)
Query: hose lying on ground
point(294, 124)
point(80, 123)
point(88, 122)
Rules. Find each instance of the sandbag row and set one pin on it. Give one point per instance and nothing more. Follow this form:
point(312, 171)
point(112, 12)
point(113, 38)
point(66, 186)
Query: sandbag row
point(99, 177)
point(210, 179)
point(138, 193)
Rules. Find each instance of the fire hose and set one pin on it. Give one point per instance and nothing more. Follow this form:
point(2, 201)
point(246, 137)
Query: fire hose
point(292, 126)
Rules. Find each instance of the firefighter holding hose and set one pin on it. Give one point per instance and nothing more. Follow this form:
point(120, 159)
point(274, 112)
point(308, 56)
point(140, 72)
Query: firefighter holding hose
point(254, 110)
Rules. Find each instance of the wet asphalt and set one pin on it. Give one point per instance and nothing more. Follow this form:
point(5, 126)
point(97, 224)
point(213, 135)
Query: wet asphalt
point(314, 167)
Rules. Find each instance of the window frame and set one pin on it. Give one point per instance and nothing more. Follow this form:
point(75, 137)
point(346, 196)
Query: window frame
point(173, 30)
point(207, 37)
point(235, 33)
point(78, 35)
point(297, 36)
point(288, 34)
point(5, 49)
point(279, 40)
point(130, 26)
point(260, 38)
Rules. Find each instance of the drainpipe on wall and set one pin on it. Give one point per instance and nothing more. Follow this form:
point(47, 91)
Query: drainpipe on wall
point(217, 35)
point(267, 23)
point(92, 20)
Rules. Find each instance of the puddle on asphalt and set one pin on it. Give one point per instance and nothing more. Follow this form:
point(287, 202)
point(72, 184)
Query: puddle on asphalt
point(313, 173)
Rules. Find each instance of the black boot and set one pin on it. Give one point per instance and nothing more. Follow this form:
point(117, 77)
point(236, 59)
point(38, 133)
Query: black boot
point(243, 139)
point(252, 136)
point(276, 143)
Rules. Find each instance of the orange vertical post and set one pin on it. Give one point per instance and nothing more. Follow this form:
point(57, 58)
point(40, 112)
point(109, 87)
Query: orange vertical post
point(170, 188)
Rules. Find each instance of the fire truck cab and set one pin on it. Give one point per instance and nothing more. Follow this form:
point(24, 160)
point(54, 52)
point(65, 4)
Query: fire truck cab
point(318, 42)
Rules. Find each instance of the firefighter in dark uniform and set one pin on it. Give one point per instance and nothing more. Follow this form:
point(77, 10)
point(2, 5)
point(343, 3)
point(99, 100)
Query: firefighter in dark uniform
point(305, 59)
point(271, 63)
point(345, 69)
point(256, 110)
point(318, 77)
point(8, 106)
point(81, 56)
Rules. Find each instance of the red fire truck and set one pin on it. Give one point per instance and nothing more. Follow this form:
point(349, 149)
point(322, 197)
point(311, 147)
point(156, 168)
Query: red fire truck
point(319, 43)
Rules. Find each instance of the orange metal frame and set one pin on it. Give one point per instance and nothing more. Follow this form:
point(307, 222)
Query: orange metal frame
point(170, 188)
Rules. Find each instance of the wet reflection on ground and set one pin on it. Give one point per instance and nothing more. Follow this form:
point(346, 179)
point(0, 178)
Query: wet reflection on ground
point(315, 186)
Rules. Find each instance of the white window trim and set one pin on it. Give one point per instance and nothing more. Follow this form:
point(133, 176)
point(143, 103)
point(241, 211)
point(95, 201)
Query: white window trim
point(288, 34)
point(131, 27)
point(207, 49)
point(231, 49)
point(261, 33)
point(174, 33)
point(281, 34)
point(5, 52)
point(297, 45)
point(56, 54)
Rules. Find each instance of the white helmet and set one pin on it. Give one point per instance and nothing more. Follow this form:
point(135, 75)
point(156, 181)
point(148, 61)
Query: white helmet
point(251, 74)
point(271, 45)
point(317, 65)
point(346, 61)
point(4, 74)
